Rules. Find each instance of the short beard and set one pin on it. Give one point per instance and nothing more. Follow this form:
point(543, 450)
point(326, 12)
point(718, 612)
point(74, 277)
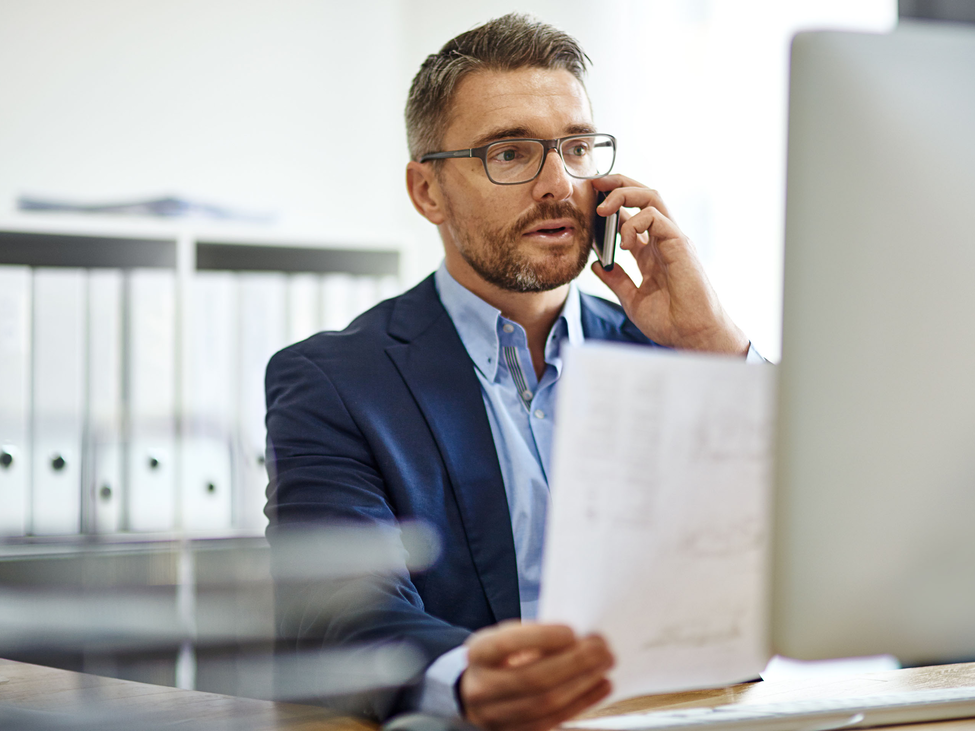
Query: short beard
point(501, 262)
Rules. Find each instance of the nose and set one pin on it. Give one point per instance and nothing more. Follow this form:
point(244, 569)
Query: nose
point(553, 183)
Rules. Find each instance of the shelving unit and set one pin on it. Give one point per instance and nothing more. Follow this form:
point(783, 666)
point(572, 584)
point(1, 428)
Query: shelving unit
point(174, 458)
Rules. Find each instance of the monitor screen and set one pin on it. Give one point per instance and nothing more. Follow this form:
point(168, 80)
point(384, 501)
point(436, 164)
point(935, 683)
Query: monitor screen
point(874, 548)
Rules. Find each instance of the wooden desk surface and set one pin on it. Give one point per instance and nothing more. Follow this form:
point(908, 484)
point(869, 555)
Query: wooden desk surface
point(40, 688)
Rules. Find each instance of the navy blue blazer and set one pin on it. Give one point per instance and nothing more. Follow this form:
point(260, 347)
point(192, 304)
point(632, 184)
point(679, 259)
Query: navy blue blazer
point(383, 422)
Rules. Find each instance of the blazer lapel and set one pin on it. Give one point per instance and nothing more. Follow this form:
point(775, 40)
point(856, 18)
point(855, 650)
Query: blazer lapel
point(436, 368)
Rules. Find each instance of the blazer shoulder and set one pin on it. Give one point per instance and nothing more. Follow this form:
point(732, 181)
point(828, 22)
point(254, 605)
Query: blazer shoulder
point(363, 337)
point(391, 322)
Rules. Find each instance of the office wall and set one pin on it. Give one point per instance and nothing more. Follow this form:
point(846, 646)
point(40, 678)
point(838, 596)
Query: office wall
point(295, 107)
point(285, 106)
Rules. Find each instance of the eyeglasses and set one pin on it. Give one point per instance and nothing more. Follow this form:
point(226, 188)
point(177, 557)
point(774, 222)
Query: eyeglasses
point(512, 162)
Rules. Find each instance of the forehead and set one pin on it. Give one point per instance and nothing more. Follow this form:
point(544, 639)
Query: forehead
point(545, 103)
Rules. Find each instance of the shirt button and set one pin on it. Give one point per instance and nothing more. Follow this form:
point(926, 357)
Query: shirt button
point(539, 413)
point(527, 395)
point(508, 327)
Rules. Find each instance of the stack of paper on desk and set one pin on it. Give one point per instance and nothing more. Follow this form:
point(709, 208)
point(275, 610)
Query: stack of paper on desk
point(658, 525)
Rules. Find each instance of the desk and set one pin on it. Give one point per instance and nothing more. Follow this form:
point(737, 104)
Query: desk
point(40, 688)
point(62, 691)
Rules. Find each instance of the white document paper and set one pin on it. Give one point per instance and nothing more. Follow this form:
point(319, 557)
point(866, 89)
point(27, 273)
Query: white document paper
point(658, 525)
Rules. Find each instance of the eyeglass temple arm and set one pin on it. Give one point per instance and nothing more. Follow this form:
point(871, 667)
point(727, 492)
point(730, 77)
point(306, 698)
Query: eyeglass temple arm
point(446, 155)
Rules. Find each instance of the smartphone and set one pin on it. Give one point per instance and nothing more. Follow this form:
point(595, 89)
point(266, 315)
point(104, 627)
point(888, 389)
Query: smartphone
point(604, 234)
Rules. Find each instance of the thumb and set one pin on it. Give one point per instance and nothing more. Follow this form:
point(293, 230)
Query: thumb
point(618, 281)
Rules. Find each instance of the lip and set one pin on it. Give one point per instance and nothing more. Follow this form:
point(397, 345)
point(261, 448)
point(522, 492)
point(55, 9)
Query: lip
point(552, 227)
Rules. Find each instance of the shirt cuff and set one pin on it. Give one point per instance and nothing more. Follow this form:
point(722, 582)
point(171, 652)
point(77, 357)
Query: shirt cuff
point(753, 356)
point(437, 692)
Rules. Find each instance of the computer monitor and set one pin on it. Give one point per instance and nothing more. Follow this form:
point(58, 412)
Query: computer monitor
point(874, 536)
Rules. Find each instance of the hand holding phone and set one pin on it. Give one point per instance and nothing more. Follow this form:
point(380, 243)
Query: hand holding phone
point(604, 235)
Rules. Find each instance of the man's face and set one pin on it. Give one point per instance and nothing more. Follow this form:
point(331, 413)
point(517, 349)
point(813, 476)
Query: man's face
point(531, 237)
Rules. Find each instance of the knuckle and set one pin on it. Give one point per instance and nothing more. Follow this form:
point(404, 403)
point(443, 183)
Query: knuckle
point(476, 697)
point(548, 702)
point(591, 656)
point(598, 651)
point(472, 690)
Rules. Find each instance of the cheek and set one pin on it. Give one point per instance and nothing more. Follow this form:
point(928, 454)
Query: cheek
point(491, 210)
point(585, 197)
point(466, 195)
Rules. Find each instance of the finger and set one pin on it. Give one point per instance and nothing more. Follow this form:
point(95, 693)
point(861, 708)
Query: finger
point(560, 701)
point(654, 223)
point(493, 646)
point(597, 693)
point(618, 281)
point(623, 191)
point(643, 237)
point(488, 684)
point(590, 655)
point(611, 182)
point(588, 700)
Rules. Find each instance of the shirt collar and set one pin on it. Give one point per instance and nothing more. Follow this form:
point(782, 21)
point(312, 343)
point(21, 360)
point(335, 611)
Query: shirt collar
point(572, 315)
point(477, 322)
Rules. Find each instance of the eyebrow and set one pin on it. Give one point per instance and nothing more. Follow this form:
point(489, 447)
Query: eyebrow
point(501, 133)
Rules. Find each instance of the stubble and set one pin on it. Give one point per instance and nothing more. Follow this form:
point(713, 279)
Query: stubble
point(503, 259)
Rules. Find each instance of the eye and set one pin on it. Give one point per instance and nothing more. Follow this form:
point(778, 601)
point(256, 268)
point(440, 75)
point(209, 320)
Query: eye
point(579, 149)
point(510, 153)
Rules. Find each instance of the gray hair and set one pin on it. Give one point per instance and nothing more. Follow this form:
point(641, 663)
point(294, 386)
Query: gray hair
point(507, 43)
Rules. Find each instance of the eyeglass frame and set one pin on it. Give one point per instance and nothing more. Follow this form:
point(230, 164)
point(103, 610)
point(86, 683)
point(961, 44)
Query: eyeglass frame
point(547, 147)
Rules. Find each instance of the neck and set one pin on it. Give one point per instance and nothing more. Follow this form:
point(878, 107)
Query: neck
point(536, 312)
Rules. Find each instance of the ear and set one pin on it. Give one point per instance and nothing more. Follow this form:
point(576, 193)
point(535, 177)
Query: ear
point(424, 190)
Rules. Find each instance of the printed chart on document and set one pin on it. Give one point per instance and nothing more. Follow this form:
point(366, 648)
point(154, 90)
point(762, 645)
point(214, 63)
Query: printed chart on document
point(658, 523)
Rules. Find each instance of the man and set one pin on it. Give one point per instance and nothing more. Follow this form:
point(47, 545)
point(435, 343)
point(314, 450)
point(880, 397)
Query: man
point(438, 404)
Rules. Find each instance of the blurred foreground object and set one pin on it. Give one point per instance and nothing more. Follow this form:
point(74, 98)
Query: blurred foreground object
point(199, 614)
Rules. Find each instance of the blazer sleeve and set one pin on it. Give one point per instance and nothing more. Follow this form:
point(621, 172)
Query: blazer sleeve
point(323, 472)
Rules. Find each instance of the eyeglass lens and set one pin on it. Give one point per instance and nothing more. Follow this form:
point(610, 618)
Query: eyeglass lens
point(518, 161)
